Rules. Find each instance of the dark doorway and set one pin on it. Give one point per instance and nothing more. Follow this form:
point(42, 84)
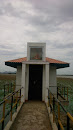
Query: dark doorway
point(35, 82)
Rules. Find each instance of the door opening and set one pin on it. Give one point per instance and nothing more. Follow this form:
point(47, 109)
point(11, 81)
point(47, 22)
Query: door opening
point(35, 82)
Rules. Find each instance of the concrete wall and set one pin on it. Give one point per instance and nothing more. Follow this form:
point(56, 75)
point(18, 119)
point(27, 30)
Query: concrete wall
point(52, 79)
point(18, 77)
point(48, 79)
point(22, 80)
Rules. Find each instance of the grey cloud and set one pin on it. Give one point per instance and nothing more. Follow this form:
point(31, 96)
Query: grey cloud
point(5, 47)
point(63, 46)
point(67, 8)
point(43, 18)
point(5, 8)
point(47, 19)
point(58, 14)
point(70, 53)
point(13, 53)
point(47, 8)
point(10, 50)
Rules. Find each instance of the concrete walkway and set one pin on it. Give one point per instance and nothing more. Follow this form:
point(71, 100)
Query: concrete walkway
point(33, 116)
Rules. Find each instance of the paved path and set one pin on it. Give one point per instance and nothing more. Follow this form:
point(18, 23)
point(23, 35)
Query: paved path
point(33, 116)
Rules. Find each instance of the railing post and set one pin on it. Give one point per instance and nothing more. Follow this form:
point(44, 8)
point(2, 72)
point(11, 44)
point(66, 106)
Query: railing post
point(64, 92)
point(16, 100)
point(58, 126)
point(58, 111)
point(53, 109)
point(11, 87)
point(3, 115)
point(57, 92)
point(67, 93)
point(11, 106)
point(68, 123)
point(58, 115)
point(4, 91)
point(20, 93)
point(8, 88)
point(3, 125)
point(48, 99)
point(14, 88)
point(20, 97)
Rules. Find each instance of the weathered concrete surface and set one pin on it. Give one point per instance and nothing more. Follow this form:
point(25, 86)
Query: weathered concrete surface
point(33, 116)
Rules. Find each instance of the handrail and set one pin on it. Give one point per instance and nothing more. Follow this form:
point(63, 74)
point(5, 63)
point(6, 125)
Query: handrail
point(64, 91)
point(60, 124)
point(8, 88)
point(71, 118)
point(63, 107)
point(58, 102)
point(51, 103)
point(64, 85)
point(13, 104)
point(11, 94)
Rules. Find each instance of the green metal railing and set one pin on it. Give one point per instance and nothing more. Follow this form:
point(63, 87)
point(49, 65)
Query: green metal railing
point(62, 118)
point(13, 99)
point(62, 91)
point(8, 88)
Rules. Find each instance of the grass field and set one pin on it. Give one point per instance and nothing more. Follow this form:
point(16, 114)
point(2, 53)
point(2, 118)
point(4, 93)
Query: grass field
point(7, 77)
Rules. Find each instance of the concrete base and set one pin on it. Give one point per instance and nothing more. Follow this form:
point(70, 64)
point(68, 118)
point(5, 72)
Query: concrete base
point(9, 124)
point(53, 125)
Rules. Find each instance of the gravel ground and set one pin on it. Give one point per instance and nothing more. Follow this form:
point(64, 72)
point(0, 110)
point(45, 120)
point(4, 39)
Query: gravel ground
point(33, 116)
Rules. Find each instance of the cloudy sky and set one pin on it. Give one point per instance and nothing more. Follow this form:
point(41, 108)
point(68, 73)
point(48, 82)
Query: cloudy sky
point(49, 21)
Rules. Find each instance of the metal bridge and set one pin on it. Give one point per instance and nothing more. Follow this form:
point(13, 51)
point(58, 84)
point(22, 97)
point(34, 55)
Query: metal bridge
point(33, 115)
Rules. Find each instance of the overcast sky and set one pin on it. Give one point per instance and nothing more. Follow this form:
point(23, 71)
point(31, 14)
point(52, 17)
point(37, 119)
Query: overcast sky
point(49, 21)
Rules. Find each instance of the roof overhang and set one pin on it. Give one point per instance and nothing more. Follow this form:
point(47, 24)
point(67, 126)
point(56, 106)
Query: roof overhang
point(58, 66)
point(13, 64)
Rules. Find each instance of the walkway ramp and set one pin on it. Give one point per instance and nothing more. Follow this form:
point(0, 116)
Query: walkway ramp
point(32, 116)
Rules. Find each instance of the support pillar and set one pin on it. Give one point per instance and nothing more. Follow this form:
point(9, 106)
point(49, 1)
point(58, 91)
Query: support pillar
point(43, 84)
point(23, 82)
point(46, 82)
point(27, 81)
point(18, 77)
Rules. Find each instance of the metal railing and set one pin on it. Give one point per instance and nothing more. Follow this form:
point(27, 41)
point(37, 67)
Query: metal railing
point(62, 118)
point(8, 88)
point(13, 99)
point(62, 91)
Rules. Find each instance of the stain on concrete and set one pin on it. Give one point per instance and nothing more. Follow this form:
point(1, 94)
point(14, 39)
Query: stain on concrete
point(33, 116)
